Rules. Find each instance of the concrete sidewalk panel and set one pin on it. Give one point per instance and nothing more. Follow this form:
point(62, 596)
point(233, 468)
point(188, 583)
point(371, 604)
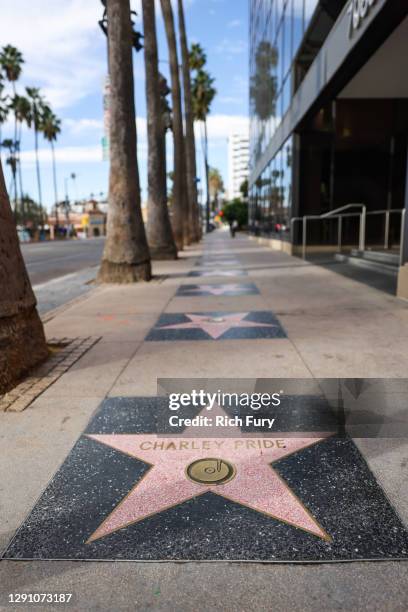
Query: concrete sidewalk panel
point(34, 443)
point(126, 587)
point(229, 358)
point(113, 327)
point(125, 300)
point(95, 373)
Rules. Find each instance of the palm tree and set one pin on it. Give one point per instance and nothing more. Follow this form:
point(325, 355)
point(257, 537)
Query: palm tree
point(166, 122)
point(21, 332)
point(37, 106)
point(11, 160)
point(180, 212)
point(126, 256)
point(4, 109)
point(263, 87)
point(22, 113)
point(11, 61)
point(197, 57)
point(203, 94)
point(189, 121)
point(159, 230)
point(51, 127)
point(216, 185)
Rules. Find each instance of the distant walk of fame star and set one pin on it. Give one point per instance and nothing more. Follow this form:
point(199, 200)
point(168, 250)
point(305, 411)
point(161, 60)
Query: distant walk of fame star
point(218, 262)
point(218, 289)
point(218, 273)
point(182, 468)
point(217, 326)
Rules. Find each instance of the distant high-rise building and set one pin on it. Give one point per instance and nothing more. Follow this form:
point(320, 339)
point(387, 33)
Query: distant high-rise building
point(238, 163)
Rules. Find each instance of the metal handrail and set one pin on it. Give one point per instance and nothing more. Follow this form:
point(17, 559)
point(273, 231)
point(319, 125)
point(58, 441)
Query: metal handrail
point(345, 207)
point(333, 214)
point(402, 239)
point(387, 213)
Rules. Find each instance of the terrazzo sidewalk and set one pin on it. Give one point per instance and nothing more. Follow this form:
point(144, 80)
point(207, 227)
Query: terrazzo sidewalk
point(229, 308)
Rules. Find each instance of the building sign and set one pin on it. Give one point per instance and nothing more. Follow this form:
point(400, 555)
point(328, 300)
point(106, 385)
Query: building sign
point(358, 11)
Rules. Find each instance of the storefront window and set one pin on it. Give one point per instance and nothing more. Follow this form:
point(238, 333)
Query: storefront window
point(271, 197)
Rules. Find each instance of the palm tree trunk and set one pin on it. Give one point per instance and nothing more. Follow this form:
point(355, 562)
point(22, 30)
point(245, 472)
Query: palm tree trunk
point(13, 84)
point(186, 217)
point(22, 337)
point(191, 165)
point(37, 164)
point(54, 174)
point(126, 256)
point(14, 183)
point(20, 177)
point(207, 178)
point(179, 216)
point(159, 230)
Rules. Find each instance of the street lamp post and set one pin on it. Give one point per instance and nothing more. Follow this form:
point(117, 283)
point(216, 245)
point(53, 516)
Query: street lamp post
point(66, 179)
point(74, 177)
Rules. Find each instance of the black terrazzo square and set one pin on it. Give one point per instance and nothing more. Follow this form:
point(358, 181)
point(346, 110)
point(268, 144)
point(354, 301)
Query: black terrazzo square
point(329, 479)
point(216, 326)
point(228, 290)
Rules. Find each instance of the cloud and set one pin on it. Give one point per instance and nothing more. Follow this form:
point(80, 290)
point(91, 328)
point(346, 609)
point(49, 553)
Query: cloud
point(237, 101)
point(84, 126)
point(231, 47)
point(72, 155)
point(235, 23)
point(220, 126)
point(81, 126)
point(61, 43)
point(63, 46)
point(84, 154)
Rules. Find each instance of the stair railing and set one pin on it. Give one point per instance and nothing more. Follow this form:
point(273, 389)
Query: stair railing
point(334, 214)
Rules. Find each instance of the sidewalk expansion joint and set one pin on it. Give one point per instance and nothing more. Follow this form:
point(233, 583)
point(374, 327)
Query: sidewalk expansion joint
point(64, 352)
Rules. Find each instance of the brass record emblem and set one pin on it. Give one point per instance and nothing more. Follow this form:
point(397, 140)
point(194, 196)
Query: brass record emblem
point(210, 471)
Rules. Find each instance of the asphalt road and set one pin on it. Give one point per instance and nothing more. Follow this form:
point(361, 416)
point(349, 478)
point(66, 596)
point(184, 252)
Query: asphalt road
point(46, 261)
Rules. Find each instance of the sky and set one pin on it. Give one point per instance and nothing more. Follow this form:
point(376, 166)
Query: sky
point(65, 56)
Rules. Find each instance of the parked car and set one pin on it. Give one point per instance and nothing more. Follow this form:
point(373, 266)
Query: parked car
point(23, 235)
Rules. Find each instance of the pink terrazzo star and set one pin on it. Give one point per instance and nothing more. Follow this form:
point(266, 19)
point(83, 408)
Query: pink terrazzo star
point(217, 326)
point(218, 289)
point(255, 484)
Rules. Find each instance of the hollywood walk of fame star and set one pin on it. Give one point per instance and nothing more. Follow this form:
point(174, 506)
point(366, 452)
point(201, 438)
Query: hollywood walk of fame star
point(218, 262)
point(217, 326)
point(219, 289)
point(218, 273)
point(236, 468)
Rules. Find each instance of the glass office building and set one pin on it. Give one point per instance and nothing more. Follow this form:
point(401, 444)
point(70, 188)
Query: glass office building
point(329, 124)
point(277, 28)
